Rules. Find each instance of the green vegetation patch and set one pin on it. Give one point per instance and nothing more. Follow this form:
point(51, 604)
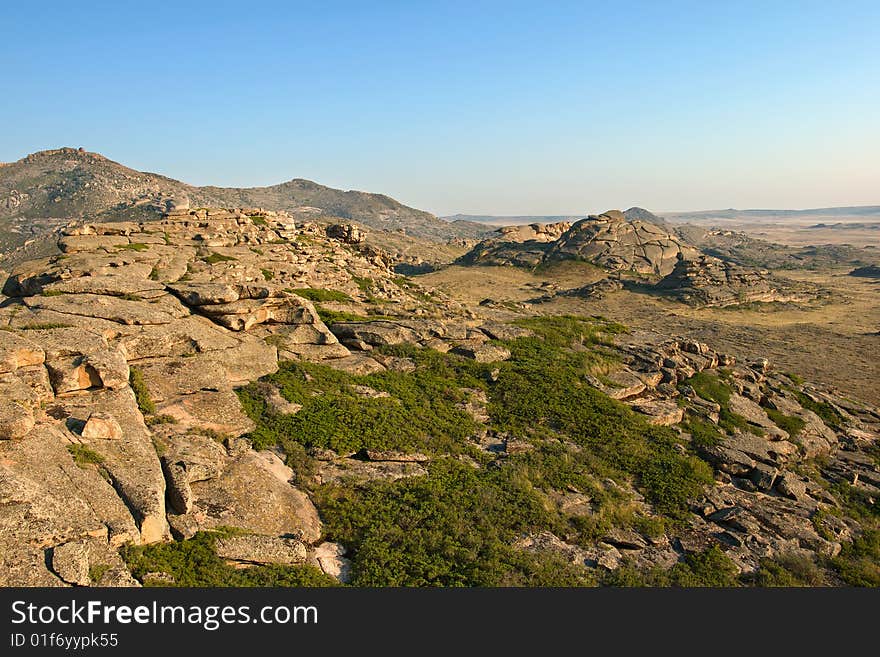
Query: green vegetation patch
point(45, 326)
point(791, 424)
point(319, 294)
point(84, 456)
point(141, 393)
point(712, 387)
point(710, 568)
point(134, 246)
point(419, 414)
point(703, 433)
point(194, 562)
point(824, 410)
point(267, 274)
point(859, 562)
point(329, 316)
point(452, 528)
point(215, 257)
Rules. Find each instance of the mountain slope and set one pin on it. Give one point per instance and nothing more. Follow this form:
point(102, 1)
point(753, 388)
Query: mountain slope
point(48, 188)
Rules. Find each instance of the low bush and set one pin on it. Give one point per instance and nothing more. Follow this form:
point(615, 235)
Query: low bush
point(194, 563)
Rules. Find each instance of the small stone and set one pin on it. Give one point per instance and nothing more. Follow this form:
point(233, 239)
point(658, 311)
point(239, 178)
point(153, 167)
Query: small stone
point(102, 426)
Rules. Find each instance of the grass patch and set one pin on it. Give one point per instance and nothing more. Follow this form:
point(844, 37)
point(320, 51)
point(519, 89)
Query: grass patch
point(824, 410)
point(154, 420)
point(259, 220)
point(319, 294)
point(451, 528)
point(254, 249)
point(84, 456)
point(141, 393)
point(51, 293)
point(713, 387)
point(859, 562)
point(45, 326)
point(154, 274)
point(332, 316)
point(134, 246)
point(267, 274)
point(194, 563)
point(791, 424)
point(710, 568)
point(420, 414)
point(703, 433)
point(364, 284)
point(96, 572)
point(215, 257)
point(789, 570)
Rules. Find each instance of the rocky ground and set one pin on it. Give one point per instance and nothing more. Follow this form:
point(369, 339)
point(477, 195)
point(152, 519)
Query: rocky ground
point(123, 363)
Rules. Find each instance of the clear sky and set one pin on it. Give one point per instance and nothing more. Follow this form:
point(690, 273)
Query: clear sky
point(476, 107)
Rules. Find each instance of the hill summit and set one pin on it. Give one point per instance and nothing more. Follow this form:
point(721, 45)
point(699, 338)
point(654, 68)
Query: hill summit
point(46, 189)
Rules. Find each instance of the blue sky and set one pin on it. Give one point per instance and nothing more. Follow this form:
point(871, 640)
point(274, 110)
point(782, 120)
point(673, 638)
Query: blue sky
point(476, 107)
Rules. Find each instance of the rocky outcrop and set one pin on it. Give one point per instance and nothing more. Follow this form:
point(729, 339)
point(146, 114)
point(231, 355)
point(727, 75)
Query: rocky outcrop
point(708, 281)
point(869, 271)
point(612, 240)
point(521, 246)
point(615, 243)
point(119, 361)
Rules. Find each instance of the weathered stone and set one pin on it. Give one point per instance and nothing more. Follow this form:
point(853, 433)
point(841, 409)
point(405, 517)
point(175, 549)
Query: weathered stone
point(102, 426)
point(484, 353)
point(70, 562)
point(16, 420)
point(659, 412)
point(18, 351)
point(763, 476)
point(261, 550)
point(330, 558)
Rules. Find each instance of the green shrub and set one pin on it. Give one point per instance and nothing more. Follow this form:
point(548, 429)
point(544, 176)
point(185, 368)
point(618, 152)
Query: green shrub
point(267, 274)
point(96, 572)
point(710, 568)
point(141, 392)
point(703, 433)
point(712, 388)
point(332, 316)
point(788, 570)
point(791, 424)
point(451, 528)
point(83, 456)
point(824, 410)
point(541, 392)
point(420, 414)
point(364, 284)
point(194, 563)
point(859, 562)
point(215, 257)
point(320, 294)
point(154, 420)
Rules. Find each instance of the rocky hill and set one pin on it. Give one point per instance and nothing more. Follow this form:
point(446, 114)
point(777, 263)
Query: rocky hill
point(48, 188)
point(611, 240)
point(747, 251)
point(708, 281)
point(228, 397)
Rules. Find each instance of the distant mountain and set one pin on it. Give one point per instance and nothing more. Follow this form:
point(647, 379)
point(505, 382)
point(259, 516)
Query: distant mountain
point(633, 214)
point(48, 188)
point(731, 215)
point(512, 220)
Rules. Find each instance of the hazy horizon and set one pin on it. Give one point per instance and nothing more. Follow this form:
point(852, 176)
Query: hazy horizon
point(501, 109)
